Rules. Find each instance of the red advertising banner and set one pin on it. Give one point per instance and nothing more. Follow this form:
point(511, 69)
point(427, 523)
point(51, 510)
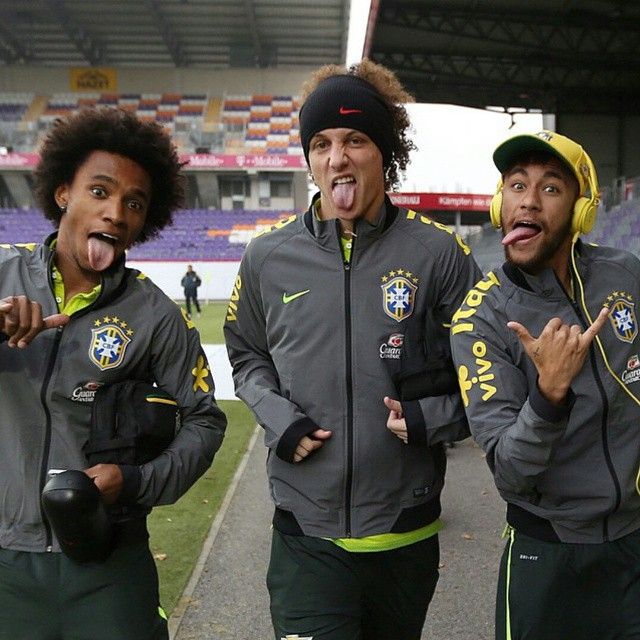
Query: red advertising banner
point(18, 160)
point(269, 161)
point(195, 161)
point(442, 201)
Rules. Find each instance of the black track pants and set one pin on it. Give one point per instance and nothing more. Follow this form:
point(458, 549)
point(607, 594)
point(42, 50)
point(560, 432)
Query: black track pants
point(319, 590)
point(561, 591)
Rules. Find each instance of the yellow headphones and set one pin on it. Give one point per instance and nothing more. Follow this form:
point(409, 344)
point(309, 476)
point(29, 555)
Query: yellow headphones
point(584, 209)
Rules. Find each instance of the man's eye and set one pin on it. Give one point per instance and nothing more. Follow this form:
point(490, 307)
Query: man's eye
point(98, 191)
point(551, 188)
point(136, 205)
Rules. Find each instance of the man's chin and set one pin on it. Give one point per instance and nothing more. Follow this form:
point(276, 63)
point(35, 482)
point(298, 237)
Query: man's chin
point(528, 263)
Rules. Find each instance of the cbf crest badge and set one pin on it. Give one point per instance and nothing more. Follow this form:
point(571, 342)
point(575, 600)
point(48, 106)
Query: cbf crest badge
point(109, 341)
point(623, 316)
point(399, 293)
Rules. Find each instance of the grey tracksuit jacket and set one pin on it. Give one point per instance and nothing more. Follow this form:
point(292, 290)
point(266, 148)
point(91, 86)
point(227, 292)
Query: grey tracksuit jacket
point(568, 474)
point(132, 331)
point(317, 343)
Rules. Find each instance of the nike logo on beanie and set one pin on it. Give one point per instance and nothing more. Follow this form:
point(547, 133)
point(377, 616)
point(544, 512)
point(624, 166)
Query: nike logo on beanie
point(345, 112)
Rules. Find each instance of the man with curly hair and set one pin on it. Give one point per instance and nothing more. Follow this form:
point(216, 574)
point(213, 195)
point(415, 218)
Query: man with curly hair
point(336, 334)
point(74, 322)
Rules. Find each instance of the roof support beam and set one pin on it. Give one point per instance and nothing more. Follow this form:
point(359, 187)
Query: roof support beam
point(90, 49)
point(578, 35)
point(11, 51)
point(252, 27)
point(168, 35)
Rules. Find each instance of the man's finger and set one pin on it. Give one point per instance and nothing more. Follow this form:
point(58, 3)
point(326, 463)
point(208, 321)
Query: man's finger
point(56, 320)
point(596, 325)
point(35, 326)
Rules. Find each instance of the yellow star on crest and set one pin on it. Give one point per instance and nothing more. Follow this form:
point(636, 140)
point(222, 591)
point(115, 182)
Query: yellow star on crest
point(107, 319)
point(97, 323)
point(200, 373)
point(384, 278)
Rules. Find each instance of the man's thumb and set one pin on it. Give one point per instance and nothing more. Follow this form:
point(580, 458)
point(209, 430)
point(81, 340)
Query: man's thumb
point(392, 405)
point(520, 330)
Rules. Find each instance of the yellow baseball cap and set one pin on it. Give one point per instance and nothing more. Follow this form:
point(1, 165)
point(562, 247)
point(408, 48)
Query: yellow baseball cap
point(570, 152)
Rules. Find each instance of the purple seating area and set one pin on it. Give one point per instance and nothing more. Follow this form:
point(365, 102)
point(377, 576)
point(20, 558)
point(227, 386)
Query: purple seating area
point(200, 234)
point(619, 227)
point(23, 225)
point(13, 106)
point(212, 234)
point(206, 234)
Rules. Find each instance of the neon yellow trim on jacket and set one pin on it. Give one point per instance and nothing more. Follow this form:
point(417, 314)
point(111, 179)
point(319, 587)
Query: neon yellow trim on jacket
point(388, 541)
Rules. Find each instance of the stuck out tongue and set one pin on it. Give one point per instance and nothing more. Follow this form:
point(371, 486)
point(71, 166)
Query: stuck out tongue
point(519, 233)
point(343, 195)
point(101, 254)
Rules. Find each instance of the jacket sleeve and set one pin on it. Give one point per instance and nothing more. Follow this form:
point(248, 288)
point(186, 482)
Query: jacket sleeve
point(179, 367)
point(509, 418)
point(438, 416)
point(254, 374)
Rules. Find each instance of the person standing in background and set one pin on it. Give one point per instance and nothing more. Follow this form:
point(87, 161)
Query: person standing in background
point(190, 283)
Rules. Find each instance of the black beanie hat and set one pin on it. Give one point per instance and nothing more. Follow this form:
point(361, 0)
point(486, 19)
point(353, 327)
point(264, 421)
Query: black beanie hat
point(347, 102)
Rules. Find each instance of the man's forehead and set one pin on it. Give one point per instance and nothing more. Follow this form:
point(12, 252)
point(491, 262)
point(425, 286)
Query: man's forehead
point(339, 132)
point(551, 167)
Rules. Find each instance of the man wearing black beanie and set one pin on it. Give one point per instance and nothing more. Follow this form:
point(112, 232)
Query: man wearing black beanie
point(335, 332)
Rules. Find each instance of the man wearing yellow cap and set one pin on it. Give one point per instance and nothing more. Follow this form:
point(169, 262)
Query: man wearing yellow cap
point(545, 349)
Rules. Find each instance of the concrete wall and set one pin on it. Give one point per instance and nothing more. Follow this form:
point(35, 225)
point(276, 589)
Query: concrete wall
point(611, 141)
point(217, 277)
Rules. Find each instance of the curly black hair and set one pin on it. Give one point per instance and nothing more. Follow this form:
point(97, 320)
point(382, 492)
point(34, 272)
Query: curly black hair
point(395, 97)
point(71, 140)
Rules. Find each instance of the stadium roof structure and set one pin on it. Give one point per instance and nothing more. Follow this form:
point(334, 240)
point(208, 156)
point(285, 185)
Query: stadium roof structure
point(174, 33)
point(574, 56)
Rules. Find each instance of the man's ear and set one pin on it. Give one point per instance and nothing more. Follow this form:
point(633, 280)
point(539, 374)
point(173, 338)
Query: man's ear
point(61, 194)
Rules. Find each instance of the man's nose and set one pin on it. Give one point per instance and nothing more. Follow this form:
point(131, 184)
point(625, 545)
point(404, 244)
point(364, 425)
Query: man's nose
point(531, 199)
point(114, 211)
point(337, 157)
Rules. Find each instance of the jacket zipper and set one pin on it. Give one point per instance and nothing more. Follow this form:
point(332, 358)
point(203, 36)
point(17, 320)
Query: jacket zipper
point(349, 382)
point(47, 439)
point(604, 429)
point(603, 426)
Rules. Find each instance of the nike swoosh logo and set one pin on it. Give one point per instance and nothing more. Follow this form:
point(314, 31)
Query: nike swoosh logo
point(345, 112)
point(287, 299)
